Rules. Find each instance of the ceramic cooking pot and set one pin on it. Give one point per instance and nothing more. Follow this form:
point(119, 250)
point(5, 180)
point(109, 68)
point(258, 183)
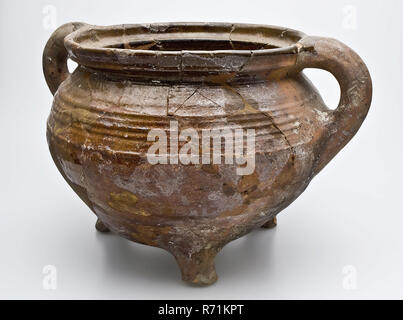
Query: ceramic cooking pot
point(135, 79)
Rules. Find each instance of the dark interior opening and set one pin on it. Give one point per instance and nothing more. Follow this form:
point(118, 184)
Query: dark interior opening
point(193, 45)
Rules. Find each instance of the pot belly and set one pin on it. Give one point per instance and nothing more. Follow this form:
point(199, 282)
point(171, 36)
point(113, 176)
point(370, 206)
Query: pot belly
point(166, 205)
point(97, 134)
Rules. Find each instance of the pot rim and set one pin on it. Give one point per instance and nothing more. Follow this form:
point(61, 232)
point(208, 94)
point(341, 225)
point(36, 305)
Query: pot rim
point(92, 46)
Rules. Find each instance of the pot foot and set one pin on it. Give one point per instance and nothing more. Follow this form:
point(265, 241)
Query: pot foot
point(270, 224)
point(99, 225)
point(198, 268)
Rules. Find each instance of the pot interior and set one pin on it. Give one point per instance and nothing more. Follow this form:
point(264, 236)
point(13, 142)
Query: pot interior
point(192, 45)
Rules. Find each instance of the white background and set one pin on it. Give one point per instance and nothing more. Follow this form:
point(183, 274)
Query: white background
point(351, 215)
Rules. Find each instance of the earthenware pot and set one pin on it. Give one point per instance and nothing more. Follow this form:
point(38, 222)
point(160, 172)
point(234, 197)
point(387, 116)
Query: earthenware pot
point(134, 78)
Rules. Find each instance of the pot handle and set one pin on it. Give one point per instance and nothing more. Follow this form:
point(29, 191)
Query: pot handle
point(54, 59)
point(356, 91)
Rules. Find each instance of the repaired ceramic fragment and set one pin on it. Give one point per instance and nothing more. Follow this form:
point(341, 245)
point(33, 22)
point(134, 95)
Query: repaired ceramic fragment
point(134, 83)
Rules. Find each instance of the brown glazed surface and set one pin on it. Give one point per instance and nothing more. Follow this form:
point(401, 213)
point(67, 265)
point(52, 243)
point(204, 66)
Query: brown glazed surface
point(133, 78)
